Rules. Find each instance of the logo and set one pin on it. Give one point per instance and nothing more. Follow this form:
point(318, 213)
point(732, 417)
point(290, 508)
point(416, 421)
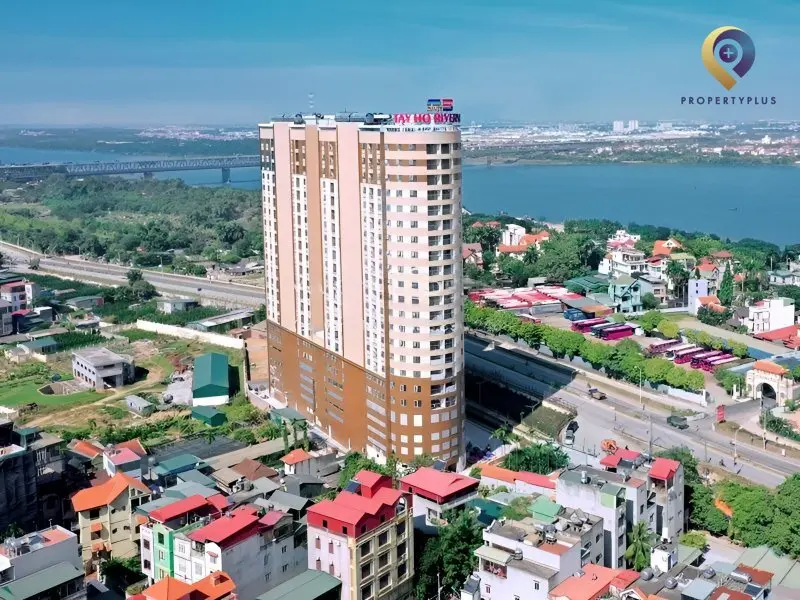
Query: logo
point(728, 53)
point(440, 104)
point(447, 104)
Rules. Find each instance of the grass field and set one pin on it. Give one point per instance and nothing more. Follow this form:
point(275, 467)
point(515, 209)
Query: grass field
point(14, 393)
point(547, 421)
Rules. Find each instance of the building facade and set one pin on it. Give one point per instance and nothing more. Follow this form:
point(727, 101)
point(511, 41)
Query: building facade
point(365, 539)
point(362, 244)
point(102, 368)
point(436, 492)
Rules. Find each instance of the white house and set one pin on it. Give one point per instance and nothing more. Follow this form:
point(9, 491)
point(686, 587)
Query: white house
point(768, 315)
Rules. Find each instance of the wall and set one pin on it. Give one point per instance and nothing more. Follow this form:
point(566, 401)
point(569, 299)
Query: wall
point(51, 554)
point(190, 334)
point(333, 554)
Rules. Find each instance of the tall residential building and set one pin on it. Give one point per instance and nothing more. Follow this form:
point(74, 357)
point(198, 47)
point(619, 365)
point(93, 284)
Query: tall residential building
point(362, 247)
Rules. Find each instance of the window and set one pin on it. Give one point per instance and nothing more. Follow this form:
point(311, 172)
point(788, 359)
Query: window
point(536, 585)
point(383, 582)
point(366, 570)
point(161, 539)
point(146, 564)
point(401, 551)
point(317, 544)
point(146, 544)
point(94, 513)
point(160, 555)
point(487, 588)
point(366, 591)
point(401, 571)
point(285, 568)
point(283, 550)
point(383, 538)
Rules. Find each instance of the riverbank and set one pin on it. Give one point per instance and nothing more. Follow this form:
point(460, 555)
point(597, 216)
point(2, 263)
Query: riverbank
point(501, 160)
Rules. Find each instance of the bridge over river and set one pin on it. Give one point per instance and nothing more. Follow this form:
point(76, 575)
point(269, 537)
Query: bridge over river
point(36, 172)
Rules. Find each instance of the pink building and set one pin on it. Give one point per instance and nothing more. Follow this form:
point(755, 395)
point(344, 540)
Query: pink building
point(365, 538)
point(363, 268)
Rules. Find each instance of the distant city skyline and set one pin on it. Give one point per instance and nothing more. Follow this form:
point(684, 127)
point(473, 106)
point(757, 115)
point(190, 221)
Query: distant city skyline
point(510, 60)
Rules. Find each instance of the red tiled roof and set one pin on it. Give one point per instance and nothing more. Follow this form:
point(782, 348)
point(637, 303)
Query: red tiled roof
point(477, 224)
point(134, 445)
point(724, 254)
point(590, 585)
point(726, 593)
point(769, 367)
point(495, 472)
point(624, 579)
point(664, 468)
point(272, 518)
point(612, 460)
point(224, 528)
point(167, 588)
point(122, 456)
point(438, 485)
point(295, 456)
point(506, 249)
point(105, 493)
point(218, 501)
point(367, 478)
point(351, 508)
point(758, 576)
point(87, 449)
point(705, 266)
point(176, 509)
point(494, 224)
point(661, 247)
point(778, 335)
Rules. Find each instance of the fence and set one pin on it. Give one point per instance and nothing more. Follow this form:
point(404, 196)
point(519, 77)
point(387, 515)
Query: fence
point(191, 334)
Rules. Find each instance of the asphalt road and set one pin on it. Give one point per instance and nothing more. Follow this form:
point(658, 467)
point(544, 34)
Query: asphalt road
point(232, 294)
point(624, 420)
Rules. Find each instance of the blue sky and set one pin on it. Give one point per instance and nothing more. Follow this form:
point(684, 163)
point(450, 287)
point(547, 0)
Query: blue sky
point(175, 61)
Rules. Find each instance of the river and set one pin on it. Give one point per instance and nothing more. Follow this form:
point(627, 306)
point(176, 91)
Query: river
point(732, 201)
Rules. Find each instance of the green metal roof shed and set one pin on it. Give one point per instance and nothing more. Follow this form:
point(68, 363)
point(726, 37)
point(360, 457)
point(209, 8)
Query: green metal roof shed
point(308, 585)
point(209, 415)
point(47, 580)
point(210, 376)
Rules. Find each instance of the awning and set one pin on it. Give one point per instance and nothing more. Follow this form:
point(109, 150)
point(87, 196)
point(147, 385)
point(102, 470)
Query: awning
point(96, 527)
point(98, 546)
point(141, 520)
point(494, 555)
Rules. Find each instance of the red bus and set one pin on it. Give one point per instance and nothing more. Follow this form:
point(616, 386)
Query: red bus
point(697, 359)
point(617, 333)
point(719, 360)
point(662, 347)
point(671, 352)
point(685, 356)
point(607, 325)
point(586, 324)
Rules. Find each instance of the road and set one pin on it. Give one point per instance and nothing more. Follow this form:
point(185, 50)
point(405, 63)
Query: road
point(230, 294)
point(622, 419)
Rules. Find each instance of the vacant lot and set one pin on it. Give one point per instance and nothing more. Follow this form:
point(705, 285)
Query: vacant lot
point(14, 393)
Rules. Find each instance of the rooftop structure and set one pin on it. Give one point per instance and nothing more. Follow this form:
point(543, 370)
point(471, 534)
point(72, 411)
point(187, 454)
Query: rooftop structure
point(436, 492)
point(210, 385)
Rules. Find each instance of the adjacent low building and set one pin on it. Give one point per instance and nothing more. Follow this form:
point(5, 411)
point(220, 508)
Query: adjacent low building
point(217, 586)
point(436, 492)
point(174, 305)
point(365, 538)
point(210, 383)
point(85, 302)
point(309, 585)
point(102, 369)
point(223, 323)
point(768, 315)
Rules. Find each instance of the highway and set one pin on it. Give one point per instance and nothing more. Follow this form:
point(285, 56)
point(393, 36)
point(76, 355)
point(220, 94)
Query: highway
point(220, 292)
point(621, 419)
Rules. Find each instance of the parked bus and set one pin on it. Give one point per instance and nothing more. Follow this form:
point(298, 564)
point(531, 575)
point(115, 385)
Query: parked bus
point(697, 359)
point(670, 354)
point(598, 328)
point(685, 356)
point(616, 333)
point(585, 325)
point(719, 360)
point(662, 347)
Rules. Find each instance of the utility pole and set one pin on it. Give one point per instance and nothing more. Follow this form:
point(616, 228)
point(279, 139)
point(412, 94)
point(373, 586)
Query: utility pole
point(650, 445)
point(705, 451)
point(438, 586)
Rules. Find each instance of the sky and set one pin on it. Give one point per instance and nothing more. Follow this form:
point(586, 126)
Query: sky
point(181, 62)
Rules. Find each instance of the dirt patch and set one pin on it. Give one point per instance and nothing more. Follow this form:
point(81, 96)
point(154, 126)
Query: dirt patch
point(64, 387)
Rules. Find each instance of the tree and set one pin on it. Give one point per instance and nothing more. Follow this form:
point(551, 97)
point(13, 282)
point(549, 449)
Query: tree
point(531, 255)
point(536, 458)
point(285, 434)
point(355, 462)
point(504, 435)
point(694, 539)
point(712, 317)
point(562, 257)
point(725, 292)
point(649, 301)
point(134, 275)
point(430, 565)
point(694, 381)
point(669, 329)
point(739, 350)
point(597, 354)
point(657, 369)
point(679, 277)
point(419, 461)
point(677, 377)
point(143, 290)
point(640, 543)
point(304, 429)
point(487, 237)
point(650, 320)
point(459, 540)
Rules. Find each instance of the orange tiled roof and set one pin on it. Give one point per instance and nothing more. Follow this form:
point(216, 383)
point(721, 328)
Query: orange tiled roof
point(215, 586)
point(134, 445)
point(168, 588)
point(769, 367)
point(104, 494)
point(706, 300)
point(86, 449)
point(662, 247)
point(295, 456)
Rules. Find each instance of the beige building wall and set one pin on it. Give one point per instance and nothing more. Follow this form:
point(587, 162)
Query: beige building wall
point(118, 524)
point(364, 283)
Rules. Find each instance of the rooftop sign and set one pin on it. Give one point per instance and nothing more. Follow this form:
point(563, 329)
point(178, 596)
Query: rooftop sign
point(435, 118)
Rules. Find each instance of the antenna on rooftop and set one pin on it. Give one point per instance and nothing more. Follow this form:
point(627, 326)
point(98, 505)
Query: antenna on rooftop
point(311, 103)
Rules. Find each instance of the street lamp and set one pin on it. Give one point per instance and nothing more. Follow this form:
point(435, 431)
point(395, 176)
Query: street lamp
point(641, 400)
point(735, 449)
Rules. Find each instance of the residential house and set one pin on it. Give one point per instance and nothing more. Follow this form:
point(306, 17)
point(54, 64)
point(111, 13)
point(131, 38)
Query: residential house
point(20, 294)
point(696, 289)
point(365, 538)
point(286, 502)
point(518, 249)
point(308, 585)
point(316, 462)
point(666, 247)
point(229, 481)
point(435, 492)
point(621, 236)
point(520, 482)
point(46, 562)
point(209, 415)
point(102, 369)
point(6, 319)
point(594, 582)
point(305, 486)
point(472, 255)
point(159, 526)
point(529, 557)
point(258, 552)
point(711, 272)
point(769, 315)
point(164, 473)
point(626, 294)
point(18, 494)
point(655, 286)
point(210, 384)
point(39, 348)
point(106, 520)
point(623, 262)
point(512, 234)
point(223, 323)
point(175, 305)
point(85, 302)
point(710, 302)
point(216, 586)
point(782, 277)
point(253, 470)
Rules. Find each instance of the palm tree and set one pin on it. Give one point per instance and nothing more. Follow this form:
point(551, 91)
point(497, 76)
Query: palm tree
point(640, 543)
point(504, 435)
point(210, 435)
point(304, 429)
point(285, 433)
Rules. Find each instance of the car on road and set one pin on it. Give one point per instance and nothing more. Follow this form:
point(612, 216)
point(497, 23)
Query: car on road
point(597, 394)
point(569, 437)
point(677, 422)
point(573, 426)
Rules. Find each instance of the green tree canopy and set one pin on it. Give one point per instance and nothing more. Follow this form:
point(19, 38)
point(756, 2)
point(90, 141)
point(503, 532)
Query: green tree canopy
point(649, 301)
point(640, 542)
point(725, 292)
point(536, 458)
point(669, 329)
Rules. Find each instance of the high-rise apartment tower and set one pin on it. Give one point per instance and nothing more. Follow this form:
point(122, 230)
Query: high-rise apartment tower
point(364, 297)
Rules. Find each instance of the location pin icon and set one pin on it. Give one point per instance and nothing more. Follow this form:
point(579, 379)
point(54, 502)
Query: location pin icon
point(728, 53)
